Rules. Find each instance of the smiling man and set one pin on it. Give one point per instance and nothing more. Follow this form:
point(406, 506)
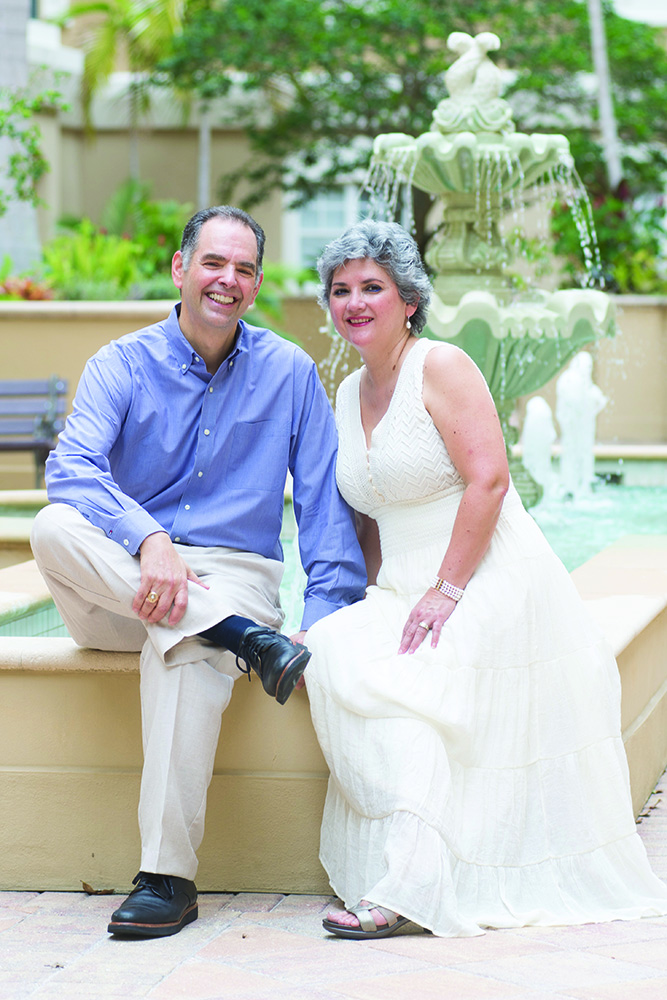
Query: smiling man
point(163, 531)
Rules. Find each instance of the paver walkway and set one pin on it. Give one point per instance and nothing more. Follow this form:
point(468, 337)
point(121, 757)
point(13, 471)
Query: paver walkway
point(272, 947)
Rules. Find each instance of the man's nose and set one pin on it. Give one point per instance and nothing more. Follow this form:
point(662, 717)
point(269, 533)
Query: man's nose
point(227, 274)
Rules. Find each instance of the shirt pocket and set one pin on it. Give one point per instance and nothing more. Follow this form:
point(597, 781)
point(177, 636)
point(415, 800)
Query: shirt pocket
point(258, 456)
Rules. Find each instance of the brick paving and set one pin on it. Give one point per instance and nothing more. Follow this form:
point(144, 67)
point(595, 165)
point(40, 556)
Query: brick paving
point(253, 946)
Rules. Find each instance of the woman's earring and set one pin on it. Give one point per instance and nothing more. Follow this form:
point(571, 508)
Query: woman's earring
point(408, 323)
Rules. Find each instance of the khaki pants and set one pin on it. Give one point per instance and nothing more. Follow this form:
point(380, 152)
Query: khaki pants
point(186, 683)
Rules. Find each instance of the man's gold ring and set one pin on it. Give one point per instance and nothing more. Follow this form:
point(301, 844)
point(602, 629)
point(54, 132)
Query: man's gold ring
point(152, 598)
point(424, 625)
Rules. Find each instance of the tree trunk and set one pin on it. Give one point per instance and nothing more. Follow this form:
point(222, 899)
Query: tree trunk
point(204, 159)
point(134, 162)
point(610, 147)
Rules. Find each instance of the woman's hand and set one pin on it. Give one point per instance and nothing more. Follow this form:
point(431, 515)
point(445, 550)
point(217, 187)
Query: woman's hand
point(432, 610)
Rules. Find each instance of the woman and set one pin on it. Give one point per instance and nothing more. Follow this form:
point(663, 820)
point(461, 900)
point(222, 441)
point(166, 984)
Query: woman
point(467, 707)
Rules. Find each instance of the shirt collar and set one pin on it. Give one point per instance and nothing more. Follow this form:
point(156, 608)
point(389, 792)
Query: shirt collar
point(182, 349)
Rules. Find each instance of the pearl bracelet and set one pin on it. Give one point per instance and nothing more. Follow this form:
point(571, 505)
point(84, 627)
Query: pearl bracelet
point(448, 589)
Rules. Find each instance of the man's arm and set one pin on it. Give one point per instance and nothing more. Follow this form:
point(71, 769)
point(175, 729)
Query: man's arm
point(78, 473)
point(328, 544)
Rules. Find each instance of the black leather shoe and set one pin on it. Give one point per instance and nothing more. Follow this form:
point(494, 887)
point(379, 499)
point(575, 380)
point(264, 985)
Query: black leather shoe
point(278, 662)
point(160, 905)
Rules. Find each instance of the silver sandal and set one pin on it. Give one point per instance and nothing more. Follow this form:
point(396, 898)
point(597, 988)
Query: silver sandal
point(367, 926)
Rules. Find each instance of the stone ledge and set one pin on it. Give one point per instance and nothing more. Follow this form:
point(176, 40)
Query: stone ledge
point(49, 655)
point(625, 586)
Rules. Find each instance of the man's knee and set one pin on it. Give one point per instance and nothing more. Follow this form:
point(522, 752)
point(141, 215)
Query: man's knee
point(44, 534)
point(56, 529)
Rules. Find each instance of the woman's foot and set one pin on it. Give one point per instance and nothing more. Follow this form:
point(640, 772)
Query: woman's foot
point(347, 918)
point(363, 921)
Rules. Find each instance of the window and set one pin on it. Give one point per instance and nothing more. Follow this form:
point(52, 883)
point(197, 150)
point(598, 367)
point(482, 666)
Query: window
point(308, 229)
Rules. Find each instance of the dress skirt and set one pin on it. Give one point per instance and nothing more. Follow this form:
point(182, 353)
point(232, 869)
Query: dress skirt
point(482, 783)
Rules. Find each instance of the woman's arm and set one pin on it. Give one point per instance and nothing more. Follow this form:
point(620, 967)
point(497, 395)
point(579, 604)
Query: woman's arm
point(462, 409)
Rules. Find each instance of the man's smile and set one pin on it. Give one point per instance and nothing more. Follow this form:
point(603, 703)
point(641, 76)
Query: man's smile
point(224, 300)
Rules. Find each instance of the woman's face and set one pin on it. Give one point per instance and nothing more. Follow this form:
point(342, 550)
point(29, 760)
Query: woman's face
point(365, 305)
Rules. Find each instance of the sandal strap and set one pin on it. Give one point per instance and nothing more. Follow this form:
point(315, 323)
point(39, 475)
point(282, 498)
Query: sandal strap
point(365, 917)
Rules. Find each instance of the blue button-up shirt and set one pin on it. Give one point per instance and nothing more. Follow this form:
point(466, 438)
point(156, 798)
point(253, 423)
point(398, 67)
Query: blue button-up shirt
point(157, 443)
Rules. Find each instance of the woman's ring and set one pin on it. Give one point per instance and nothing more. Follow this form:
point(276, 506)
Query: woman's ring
point(424, 625)
point(152, 598)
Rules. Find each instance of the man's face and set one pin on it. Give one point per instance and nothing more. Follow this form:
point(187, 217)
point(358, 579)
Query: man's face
point(220, 283)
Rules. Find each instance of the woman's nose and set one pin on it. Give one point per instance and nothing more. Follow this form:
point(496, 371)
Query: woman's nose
point(356, 299)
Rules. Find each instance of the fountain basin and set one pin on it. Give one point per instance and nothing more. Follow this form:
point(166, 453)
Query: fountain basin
point(468, 162)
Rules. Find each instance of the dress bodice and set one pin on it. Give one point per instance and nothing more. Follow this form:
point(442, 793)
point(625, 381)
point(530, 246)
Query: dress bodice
point(407, 461)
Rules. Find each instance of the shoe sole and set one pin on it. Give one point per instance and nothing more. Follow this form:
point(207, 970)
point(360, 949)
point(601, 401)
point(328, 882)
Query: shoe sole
point(291, 675)
point(123, 929)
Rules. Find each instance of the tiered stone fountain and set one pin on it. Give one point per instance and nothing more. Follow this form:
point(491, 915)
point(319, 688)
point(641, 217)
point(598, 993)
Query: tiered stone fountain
point(482, 175)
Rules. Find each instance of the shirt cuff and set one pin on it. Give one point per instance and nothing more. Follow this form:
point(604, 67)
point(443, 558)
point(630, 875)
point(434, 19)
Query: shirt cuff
point(131, 529)
point(314, 609)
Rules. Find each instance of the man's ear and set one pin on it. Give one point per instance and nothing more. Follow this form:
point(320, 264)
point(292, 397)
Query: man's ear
point(261, 279)
point(177, 269)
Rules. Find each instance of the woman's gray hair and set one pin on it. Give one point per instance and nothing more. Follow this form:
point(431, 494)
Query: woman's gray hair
point(193, 228)
point(390, 246)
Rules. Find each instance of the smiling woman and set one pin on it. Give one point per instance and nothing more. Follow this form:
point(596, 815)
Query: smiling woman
point(468, 707)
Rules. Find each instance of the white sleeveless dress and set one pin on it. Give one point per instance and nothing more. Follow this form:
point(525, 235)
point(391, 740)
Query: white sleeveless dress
point(483, 783)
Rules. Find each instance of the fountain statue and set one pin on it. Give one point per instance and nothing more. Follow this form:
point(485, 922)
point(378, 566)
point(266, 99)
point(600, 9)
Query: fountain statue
point(482, 175)
point(537, 438)
point(578, 402)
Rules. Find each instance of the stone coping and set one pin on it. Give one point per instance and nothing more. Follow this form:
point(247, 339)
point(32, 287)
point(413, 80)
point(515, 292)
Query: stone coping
point(23, 498)
point(46, 655)
point(15, 530)
point(610, 450)
point(624, 586)
point(143, 309)
point(52, 309)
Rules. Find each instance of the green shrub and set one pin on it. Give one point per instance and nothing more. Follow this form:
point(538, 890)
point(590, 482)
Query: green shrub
point(154, 225)
point(86, 263)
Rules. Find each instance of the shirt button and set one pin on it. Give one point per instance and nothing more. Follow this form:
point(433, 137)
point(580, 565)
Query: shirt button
point(200, 474)
point(187, 506)
point(207, 432)
point(178, 538)
point(184, 368)
point(231, 364)
point(126, 541)
point(210, 388)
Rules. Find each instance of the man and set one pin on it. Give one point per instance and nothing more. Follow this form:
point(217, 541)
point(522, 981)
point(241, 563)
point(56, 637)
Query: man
point(166, 492)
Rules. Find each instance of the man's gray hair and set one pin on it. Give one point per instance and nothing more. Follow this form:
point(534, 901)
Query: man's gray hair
point(390, 246)
point(190, 239)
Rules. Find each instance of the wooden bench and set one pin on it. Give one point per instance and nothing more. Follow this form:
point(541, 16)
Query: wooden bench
point(31, 417)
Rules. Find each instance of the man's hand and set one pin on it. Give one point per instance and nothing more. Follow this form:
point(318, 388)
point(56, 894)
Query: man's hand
point(299, 637)
point(165, 575)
